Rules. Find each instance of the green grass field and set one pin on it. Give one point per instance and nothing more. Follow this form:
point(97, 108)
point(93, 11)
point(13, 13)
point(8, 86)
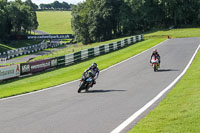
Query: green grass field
point(55, 22)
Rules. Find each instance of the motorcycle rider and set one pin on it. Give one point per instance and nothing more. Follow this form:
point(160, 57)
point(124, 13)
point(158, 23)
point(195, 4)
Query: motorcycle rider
point(94, 72)
point(156, 55)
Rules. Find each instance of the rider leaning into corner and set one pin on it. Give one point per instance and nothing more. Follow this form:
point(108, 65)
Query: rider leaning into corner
point(94, 72)
point(156, 55)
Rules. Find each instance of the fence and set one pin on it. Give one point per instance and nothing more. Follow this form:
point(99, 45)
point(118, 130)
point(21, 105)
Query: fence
point(61, 61)
point(24, 50)
point(100, 50)
point(30, 49)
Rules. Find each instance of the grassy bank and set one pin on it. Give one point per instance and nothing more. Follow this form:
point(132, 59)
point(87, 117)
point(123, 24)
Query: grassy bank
point(17, 44)
point(19, 86)
point(179, 112)
point(55, 22)
point(175, 33)
point(4, 47)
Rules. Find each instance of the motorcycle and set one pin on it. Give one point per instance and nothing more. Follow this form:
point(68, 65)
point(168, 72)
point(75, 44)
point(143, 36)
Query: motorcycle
point(155, 63)
point(86, 82)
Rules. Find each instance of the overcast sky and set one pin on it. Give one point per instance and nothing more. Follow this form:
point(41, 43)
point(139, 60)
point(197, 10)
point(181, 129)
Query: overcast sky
point(38, 2)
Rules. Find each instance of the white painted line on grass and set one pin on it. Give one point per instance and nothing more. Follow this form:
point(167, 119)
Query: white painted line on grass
point(78, 79)
point(150, 103)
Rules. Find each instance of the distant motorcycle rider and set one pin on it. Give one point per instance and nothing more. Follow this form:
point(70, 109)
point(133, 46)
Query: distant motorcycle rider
point(94, 72)
point(156, 55)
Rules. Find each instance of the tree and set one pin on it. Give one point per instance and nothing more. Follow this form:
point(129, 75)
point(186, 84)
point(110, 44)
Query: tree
point(31, 4)
point(16, 18)
point(99, 20)
point(80, 24)
point(56, 5)
point(3, 19)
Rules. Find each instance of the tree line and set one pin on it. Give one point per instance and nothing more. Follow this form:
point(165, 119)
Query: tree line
point(100, 20)
point(16, 17)
point(56, 5)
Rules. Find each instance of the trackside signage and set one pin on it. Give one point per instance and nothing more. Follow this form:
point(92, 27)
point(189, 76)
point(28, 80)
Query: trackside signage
point(38, 66)
point(52, 36)
point(9, 72)
point(25, 68)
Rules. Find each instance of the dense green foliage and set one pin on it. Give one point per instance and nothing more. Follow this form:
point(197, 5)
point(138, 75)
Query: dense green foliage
point(16, 17)
point(56, 5)
point(100, 20)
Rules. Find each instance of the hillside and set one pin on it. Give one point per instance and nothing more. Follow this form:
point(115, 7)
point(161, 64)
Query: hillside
point(54, 22)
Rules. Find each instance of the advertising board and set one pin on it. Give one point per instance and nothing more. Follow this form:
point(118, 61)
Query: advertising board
point(38, 66)
point(9, 72)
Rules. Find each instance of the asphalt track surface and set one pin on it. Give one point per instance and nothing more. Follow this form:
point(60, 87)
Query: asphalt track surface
point(120, 91)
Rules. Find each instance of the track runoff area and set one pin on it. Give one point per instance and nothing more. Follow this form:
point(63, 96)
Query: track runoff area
point(125, 90)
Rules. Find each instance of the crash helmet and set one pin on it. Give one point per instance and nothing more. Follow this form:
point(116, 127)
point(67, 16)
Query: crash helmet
point(155, 51)
point(94, 65)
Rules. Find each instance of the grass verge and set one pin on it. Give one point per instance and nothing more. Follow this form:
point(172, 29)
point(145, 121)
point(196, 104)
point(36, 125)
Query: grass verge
point(4, 48)
point(63, 75)
point(17, 44)
point(175, 33)
point(179, 112)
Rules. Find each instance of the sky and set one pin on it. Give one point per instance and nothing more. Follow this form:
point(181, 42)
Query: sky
point(38, 2)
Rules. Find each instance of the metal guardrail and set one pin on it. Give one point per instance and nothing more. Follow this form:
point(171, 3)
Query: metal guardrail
point(12, 71)
point(100, 50)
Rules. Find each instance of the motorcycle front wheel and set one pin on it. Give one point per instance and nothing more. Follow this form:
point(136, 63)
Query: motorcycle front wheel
point(155, 68)
point(81, 87)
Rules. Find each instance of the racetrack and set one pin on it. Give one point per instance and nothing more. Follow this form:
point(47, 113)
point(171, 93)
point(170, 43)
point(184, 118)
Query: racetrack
point(120, 91)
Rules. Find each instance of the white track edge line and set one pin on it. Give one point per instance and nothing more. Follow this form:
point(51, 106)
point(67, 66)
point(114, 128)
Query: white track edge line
point(45, 89)
point(150, 103)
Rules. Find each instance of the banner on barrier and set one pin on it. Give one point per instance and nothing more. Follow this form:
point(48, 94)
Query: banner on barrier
point(25, 68)
point(46, 36)
point(51, 36)
point(9, 72)
point(38, 66)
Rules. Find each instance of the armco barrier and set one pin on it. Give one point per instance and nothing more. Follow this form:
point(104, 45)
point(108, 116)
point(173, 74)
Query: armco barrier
point(41, 65)
point(30, 49)
point(61, 60)
point(25, 50)
point(100, 50)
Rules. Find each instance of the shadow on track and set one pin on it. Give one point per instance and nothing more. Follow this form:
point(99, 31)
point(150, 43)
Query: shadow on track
point(103, 91)
point(167, 70)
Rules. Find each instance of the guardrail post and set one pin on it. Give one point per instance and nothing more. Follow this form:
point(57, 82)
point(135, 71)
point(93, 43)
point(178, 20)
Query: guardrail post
point(119, 44)
point(111, 48)
point(91, 52)
point(77, 57)
point(102, 49)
